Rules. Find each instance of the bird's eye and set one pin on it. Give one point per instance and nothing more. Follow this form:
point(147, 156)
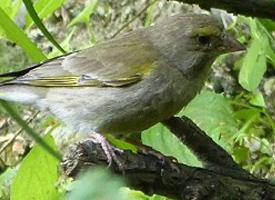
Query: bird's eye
point(204, 39)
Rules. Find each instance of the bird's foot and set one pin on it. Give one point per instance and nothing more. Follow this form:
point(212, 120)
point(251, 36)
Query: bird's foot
point(109, 150)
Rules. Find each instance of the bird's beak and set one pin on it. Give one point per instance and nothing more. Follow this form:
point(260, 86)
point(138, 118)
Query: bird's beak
point(231, 44)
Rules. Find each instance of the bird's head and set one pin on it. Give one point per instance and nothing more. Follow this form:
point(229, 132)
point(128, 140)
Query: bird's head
point(192, 42)
point(206, 33)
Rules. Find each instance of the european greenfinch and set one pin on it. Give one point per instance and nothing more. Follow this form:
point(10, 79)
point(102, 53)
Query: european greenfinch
point(129, 83)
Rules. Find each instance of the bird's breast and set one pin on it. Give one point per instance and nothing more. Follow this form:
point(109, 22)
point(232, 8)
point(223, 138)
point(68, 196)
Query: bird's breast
point(126, 109)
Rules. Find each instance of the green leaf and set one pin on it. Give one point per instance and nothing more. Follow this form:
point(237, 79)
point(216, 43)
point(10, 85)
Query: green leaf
point(270, 53)
point(149, 13)
point(266, 147)
point(160, 138)
point(241, 154)
point(138, 195)
point(11, 7)
point(258, 100)
point(15, 34)
point(121, 144)
point(213, 114)
point(37, 176)
point(97, 184)
point(246, 113)
point(65, 45)
point(254, 64)
point(44, 8)
point(84, 15)
point(268, 23)
point(40, 25)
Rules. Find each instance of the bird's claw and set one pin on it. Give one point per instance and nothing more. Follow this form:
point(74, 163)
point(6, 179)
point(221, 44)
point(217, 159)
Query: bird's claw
point(109, 150)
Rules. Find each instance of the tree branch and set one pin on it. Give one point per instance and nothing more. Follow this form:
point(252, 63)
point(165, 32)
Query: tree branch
point(153, 174)
point(254, 8)
point(211, 155)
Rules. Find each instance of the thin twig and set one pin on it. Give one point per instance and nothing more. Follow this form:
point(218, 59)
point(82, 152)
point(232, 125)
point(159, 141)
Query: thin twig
point(28, 121)
point(133, 19)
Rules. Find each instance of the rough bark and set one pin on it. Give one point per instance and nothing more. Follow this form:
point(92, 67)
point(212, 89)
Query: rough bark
point(154, 174)
point(254, 8)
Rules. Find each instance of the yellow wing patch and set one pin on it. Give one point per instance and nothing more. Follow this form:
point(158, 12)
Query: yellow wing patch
point(81, 81)
point(116, 79)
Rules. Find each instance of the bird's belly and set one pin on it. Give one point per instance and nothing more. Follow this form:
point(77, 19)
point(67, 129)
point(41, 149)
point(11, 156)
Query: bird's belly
point(152, 102)
point(137, 116)
point(120, 110)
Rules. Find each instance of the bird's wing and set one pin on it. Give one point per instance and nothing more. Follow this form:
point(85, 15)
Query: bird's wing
point(115, 63)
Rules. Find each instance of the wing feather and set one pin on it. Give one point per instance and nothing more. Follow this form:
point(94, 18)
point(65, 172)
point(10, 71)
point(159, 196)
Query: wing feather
point(115, 63)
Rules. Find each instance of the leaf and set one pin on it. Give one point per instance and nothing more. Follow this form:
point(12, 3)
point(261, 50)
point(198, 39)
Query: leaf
point(84, 15)
point(246, 113)
point(241, 154)
point(10, 7)
point(268, 23)
point(254, 64)
point(160, 138)
point(138, 195)
point(213, 114)
point(149, 13)
point(40, 25)
point(37, 176)
point(258, 100)
point(15, 34)
point(97, 184)
point(121, 144)
point(44, 8)
point(270, 53)
point(65, 45)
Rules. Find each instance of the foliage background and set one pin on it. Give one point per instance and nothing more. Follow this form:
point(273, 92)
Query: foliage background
point(236, 108)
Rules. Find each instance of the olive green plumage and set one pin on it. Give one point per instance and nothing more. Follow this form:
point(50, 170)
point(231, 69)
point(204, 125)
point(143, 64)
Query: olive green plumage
point(129, 83)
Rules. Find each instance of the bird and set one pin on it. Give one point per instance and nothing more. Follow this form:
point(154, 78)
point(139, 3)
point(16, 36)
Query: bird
point(128, 83)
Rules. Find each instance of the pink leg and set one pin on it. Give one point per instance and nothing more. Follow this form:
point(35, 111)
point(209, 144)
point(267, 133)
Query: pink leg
point(108, 149)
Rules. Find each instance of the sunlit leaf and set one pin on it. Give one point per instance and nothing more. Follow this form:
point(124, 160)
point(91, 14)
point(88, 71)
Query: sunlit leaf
point(254, 64)
point(11, 7)
point(213, 114)
point(258, 100)
point(259, 52)
point(162, 140)
point(44, 8)
point(28, 4)
point(15, 34)
point(65, 45)
point(149, 14)
point(37, 176)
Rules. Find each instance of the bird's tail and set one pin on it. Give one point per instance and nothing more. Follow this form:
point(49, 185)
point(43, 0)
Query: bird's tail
point(17, 93)
point(15, 74)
